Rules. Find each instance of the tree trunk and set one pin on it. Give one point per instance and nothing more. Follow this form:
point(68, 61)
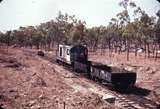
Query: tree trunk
point(145, 49)
point(135, 50)
point(128, 47)
point(148, 48)
point(157, 48)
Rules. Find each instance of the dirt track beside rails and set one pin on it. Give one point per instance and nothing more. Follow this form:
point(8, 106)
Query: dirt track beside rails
point(27, 81)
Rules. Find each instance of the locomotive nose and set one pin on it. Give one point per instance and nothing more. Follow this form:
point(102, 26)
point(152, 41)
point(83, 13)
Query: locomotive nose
point(81, 57)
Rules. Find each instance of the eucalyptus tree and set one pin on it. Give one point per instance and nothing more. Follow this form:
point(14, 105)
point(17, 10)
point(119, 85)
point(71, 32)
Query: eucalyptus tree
point(1, 39)
point(28, 33)
point(78, 33)
point(7, 39)
point(1, 35)
point(124, 21)
point(20, 36)
point(136, 32)
point(61, 30)
point(145, 29)
point(157, 28)
point(93, 35)
point(115, 30)
point(157, 35)
point(46, 34)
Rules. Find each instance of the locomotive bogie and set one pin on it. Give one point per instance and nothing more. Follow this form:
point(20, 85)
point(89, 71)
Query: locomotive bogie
point(82, 66)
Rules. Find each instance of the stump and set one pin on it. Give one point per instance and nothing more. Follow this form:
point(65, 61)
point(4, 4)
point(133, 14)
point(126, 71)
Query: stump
point(40, 53)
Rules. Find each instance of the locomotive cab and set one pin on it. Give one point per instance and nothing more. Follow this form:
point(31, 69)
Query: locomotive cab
point(63, 54)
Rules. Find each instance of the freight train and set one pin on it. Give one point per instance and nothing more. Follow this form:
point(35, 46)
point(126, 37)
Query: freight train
point(76, 56)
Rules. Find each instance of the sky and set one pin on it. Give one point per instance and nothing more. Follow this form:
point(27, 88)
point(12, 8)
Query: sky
point(16, 13)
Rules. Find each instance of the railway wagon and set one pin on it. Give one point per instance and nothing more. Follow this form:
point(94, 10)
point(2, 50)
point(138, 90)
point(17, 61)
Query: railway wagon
point(115, 76)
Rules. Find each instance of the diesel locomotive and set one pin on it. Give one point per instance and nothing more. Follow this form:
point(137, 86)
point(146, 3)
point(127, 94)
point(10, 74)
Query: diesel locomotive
point(76, 56)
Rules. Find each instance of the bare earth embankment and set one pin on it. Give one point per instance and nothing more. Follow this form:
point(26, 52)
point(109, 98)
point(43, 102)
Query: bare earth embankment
point(30, 82)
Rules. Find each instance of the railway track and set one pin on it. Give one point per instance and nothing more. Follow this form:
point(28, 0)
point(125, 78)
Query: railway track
point(128, 100)
point(132, 101)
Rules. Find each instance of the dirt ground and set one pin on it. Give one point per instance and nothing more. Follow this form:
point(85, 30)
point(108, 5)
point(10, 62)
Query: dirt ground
point(29, 82)
point(148, 70)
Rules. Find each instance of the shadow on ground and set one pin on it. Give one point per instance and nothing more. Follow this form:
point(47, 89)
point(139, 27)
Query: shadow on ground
point(135, 91)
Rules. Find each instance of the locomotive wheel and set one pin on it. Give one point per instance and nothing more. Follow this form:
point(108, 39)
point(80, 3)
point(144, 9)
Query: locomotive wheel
point(100, 80)
point(92, 77)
